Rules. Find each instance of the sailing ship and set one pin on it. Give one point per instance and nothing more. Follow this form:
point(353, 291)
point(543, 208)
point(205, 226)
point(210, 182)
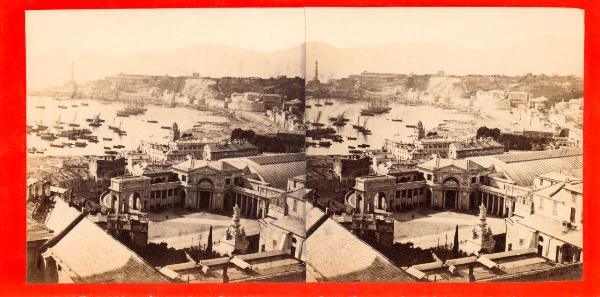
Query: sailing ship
point(96, 122)
point(316, 123)
point(376, 106)
point(72, 123)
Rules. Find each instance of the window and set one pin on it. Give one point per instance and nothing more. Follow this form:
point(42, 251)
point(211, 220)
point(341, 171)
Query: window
point(397, 194)
point(429, 177)
point(403, 193)
point(573, 197)
point(274, 243)
point(263, 248)
point(295, 205)
point(482, 179)
point(183, 177)
point(227, 181)
point(473, 179)
point(521, 242)
point(510, 246)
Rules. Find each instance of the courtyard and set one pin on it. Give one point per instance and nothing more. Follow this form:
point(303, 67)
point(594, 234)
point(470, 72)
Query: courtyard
point(181, 229)
point(427, 228)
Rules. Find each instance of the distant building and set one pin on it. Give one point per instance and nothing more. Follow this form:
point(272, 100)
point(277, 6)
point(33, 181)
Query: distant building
point(474, 148)
point(217, 151)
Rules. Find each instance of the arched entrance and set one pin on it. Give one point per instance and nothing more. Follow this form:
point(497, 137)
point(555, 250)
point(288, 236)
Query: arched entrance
point(566, 252)
point(451, 185)
point(204, 200)
point(380, 201)
point(205, 187)
point(135, 201)
point(359, 200)
point(114, 203)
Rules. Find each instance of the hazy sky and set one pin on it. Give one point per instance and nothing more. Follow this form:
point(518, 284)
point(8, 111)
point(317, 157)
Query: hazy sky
point(555, 35)
point(126, 31)
point(479, 28)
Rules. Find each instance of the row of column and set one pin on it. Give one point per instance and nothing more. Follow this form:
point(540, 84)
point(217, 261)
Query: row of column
point(410, 200)
point(249, 206)
point(494, 204)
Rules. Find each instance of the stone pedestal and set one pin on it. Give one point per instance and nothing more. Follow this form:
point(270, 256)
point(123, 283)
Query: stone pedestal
point(234, 241)
point(482, 240)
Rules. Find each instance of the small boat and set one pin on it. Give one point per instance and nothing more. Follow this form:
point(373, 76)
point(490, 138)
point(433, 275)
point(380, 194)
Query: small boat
point(31, 150)
point(107, 147)
point(121, 132)
point(165, 127)
point(396, 120)
point(325, 143)
point(318, 103)
point(84, 104)
point(311, 143)
point(327, 102)
point(74, 105)
point(351, 138)
point(80, 144)
point(122, 114)
point(41, 107)
point(107, 138)
point(110, 152)
point(94, 140)
point(89, 120)
point(366, 113)
point(47, 136)
point(411, 126)
point(351, 147)
point(355, 152)
point(62, 107)
point(152, 121)
point(118, 146)
point(364, 145)
point(307, 106)
point(61, 145)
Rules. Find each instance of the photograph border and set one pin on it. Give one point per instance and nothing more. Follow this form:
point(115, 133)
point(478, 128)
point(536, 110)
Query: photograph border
point(13, 160)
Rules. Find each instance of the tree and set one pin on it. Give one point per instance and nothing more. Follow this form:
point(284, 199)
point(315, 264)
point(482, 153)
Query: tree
point(455, 246)
point(209, 246)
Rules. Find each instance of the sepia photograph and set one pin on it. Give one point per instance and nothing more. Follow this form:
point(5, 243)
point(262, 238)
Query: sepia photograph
point(165, 148)
point(229, 145)
point(444, 144)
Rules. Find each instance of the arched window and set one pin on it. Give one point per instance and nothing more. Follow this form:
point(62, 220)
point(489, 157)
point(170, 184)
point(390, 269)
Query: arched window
point(540, 239)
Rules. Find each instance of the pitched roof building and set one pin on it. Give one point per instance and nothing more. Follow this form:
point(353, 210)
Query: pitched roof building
point(81, 252)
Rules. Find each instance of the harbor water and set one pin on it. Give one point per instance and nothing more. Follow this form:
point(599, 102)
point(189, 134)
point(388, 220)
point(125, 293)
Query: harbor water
point(50, 111)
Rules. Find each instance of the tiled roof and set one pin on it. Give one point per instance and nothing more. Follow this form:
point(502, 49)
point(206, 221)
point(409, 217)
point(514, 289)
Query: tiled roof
point(273, 169)
point(35, 230)
point(336, 255)
point(477, 144)
point(230, 147)
point(87, 254)
point(522, 168)
point(553, 228)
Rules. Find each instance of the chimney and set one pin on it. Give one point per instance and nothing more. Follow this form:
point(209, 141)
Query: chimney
point(471, 274)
